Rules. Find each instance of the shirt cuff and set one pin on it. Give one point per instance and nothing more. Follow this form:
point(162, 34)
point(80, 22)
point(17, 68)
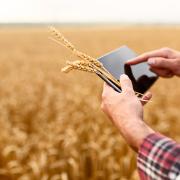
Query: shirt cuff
point(156, 156)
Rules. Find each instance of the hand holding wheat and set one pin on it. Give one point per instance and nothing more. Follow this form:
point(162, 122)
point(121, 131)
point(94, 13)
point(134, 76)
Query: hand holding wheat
point(87, 63)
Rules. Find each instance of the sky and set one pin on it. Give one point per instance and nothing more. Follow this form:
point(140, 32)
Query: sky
point(90, 11)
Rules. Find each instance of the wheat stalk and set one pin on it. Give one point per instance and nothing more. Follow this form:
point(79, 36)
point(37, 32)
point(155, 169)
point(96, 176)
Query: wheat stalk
point(94, 62)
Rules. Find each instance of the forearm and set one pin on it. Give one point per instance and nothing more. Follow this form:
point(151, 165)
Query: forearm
point(134, 133)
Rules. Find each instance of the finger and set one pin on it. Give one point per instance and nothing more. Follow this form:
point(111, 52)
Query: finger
point(144, 57)
point(160, 62)
point(146, 97)
point(162, 72)
point(126, 84)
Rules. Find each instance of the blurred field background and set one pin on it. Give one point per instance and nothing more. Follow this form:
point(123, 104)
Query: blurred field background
point(51, 125)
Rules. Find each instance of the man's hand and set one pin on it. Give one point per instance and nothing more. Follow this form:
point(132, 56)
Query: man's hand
point(165, 62)
point(126, 112)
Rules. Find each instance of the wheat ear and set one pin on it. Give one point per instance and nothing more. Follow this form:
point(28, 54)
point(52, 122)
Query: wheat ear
point(78, 65)
point(70, 46)
point(95, 65)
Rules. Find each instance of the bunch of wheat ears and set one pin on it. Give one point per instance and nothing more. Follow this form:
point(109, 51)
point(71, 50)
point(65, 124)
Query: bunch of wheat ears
point(87, 63)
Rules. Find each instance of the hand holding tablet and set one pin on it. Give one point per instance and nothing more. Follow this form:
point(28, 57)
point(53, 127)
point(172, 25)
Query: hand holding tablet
point(141, 76)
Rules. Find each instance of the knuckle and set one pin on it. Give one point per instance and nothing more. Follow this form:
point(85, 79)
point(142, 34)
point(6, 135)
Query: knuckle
point(177, 63)
point(128, 90)
point(166, 50)
point(160, 62)
point(153, 59)
point(176, 66)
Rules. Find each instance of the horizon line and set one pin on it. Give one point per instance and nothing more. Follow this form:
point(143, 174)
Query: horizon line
point(86, 23)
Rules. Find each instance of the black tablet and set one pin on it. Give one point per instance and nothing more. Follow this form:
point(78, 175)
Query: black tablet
point(140, 75)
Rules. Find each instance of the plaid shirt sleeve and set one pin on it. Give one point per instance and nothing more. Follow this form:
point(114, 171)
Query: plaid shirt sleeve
point(159, 158)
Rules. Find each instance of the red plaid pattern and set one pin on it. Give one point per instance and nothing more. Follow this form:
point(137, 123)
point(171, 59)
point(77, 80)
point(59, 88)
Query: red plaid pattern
point(159, 158)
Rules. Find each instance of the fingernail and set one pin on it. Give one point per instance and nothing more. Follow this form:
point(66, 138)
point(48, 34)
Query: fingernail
point(148, 95)
point(129, 60)
point(151, 61)
point(124, 76)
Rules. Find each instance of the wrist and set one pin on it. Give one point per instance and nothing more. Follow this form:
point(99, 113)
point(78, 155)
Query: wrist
point(143, 131)
point(134, 132)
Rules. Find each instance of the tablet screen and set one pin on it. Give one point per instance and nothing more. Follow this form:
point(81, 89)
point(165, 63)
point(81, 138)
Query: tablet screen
point(140, 75)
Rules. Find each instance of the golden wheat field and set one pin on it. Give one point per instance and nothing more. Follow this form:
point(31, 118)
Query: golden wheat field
point(51, 124)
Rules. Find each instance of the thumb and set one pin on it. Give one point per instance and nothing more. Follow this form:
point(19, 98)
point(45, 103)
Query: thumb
point(126, 84)
point(160, 62)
